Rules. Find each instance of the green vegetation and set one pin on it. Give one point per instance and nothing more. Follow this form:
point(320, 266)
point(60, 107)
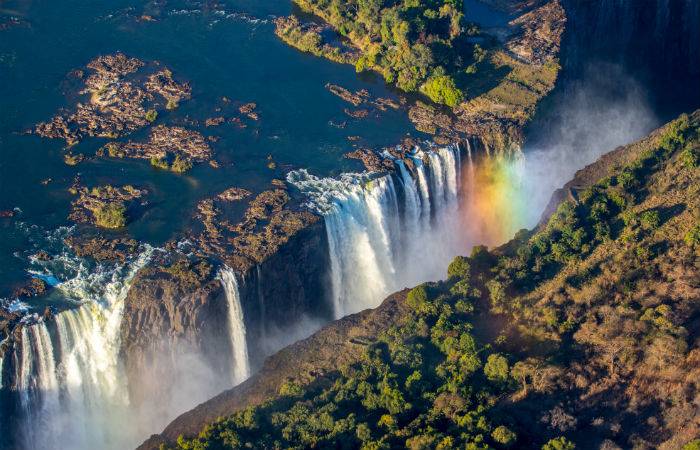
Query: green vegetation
point(442, 89)
point(160, 163)
point(692, 237)
point(110, 215)
point(73, 159)
point(177, 164)
point(559, 443)
point(558, 337)
point(308, 39)
point(180, 164)
point(418, 46)
point(693, 445)
point(151, 115)
point(172, 104)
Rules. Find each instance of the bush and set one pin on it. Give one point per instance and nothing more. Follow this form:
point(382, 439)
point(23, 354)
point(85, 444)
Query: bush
point(151, 115)
point(560, 443)
point(442, 89)
point(496, 368)
point(110, 215)
point(692, 237)
point(503, 435)
point(160, 163)
point(692, 445)
point(649, 220)
point(180, 165)
point(674, 136)
point(690, 157)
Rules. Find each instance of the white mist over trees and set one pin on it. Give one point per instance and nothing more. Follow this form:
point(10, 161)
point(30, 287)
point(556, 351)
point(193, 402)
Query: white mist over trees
point(592, 116)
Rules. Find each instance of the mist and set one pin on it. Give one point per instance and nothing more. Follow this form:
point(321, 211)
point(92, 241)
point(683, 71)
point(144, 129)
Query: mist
point(589, 117)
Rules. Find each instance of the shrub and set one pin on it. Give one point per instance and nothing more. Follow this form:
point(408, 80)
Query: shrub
point(151, 115)
point(291, 389)
point(160, 163)
point(692, 237)
point(649, 220)
point(674, 136)
point(692, 445)
point(496, 368)
point(442, 89)
point(690, 157)
point(110, 215)
point(180, 165)
point(560, 443)
point(503, 435)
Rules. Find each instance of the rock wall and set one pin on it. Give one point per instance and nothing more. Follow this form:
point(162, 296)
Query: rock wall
point(287, 291)
point(655, 39)
point(164, 318)
point(175, 313)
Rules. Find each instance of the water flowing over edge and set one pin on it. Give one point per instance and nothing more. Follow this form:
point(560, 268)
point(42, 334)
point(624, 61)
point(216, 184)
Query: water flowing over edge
point(379, 225)
point(68, 376)
point(240, 365)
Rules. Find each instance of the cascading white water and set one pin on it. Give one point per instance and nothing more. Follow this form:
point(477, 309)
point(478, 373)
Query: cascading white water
point(71, 387)
point(240, 365)
point(376, 246)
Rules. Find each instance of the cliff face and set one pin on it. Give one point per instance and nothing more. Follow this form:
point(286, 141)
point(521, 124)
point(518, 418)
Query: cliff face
point(285, 290)
point(177, 310)
point(169, 311)
point(657, 40)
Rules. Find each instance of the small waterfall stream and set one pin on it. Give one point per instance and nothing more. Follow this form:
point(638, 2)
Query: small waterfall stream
point(379, 228)
point(240, 367)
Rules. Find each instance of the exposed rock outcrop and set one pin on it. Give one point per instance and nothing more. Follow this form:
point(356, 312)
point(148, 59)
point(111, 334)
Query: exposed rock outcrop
point(174, 148)
point(105, 206)
point(280, 257)
point(119, 102)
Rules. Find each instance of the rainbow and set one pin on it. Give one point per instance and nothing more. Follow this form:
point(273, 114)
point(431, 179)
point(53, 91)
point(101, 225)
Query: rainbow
point(494, 204)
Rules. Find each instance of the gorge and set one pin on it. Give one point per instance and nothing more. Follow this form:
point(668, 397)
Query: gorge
point(122, 346)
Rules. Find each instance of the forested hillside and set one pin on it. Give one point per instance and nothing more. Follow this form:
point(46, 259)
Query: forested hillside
point(582, 333)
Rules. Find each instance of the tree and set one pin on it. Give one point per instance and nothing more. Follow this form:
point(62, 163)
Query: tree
point(560, 443)
point(442, 89)
point(110, 215)
point(459, 268)
point(503, 435)
point(496, 368)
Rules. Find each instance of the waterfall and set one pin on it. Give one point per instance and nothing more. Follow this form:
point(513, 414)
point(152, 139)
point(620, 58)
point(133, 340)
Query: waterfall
point(240, 366)
point(70, 385)
point(378, 246)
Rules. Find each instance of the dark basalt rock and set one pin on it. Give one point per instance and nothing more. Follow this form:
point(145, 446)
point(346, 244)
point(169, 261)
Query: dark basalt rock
point(280, 257)
point(104, 206)
point(234, 194)
point(172, 307)
point(371, 160)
